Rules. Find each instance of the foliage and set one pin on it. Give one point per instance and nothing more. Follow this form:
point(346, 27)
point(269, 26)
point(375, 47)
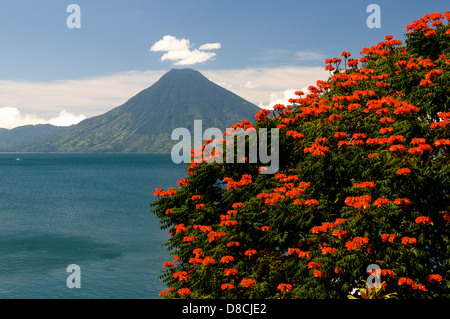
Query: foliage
point(364, 179)
point(374, 293)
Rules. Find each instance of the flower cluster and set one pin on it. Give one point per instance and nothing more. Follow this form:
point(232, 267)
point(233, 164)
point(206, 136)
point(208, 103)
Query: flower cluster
point(246, 179)
point(388, 237)
point(359, 201)
point(160, 192)
point(357, 242)
point(423, 220)
point(318, 148)
point(410, 282)
point(248, 283)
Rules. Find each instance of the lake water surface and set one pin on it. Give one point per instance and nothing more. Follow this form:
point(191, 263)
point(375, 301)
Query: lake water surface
point(91, 210)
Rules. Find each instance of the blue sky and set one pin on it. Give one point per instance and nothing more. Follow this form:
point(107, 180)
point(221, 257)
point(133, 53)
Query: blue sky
point(47, 68)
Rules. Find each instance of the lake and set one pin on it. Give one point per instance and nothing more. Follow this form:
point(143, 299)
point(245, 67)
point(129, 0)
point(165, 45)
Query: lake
point(91, 210)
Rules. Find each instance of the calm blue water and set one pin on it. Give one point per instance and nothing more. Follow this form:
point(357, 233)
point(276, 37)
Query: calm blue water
point(86, 209)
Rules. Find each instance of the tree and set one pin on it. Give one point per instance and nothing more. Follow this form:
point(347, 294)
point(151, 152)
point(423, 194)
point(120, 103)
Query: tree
point(364, 179)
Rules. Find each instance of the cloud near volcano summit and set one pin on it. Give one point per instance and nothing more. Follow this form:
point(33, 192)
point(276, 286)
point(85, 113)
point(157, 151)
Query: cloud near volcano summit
point(180, 51)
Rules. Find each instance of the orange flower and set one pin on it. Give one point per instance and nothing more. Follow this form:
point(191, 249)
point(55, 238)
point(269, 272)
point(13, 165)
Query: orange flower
point(340, 135)
point(247, 283)
point(181, 275)
point(423, 220)
point(442, 142)
point(352, 62)
point(389, 272)
point(434, 277)
point(177, 258)
point(410, 282)
point(227, 286)
point(208, 261)
point(168, 264)
point(250, 253)
point(163, 293)
point(385, 130)
point(402, 201)
point(381, 201)
point(409, 240)
point(160, 192)
point(226, 259)
point(188, 239)
point(339, 233)
point(357, 242)
point(317, 273)
point(403, 171)
point(230, 271)
point(295, 134)
point(364, 185)
point(283, 287)
point(388, 237)
point(265, 228)
point(246, 179)
point(314, 265)
point(386, 120)
point(198, 252)
point(183, 182)
point(180, 228)
point(262, 115)
point(212, 235)
point(323, 228)
point(184, 291)
point(237, 205)
point(233, 243)
point(358, 201)
point(397, 148)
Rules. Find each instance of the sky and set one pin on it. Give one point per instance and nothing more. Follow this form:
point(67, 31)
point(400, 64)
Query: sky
point(60, 64)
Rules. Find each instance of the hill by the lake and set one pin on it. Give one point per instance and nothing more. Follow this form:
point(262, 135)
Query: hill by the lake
point(144, 123)
point(13, 140)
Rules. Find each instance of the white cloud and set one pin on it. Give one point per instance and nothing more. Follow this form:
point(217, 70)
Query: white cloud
point(210, 46)
point(171, 43)
point(66, 119)
point(277, 98)
point(266, 87)
point(39, 102)
point(11, 117)
point(63, 101)
point(250, 84)
point(179, 51)
point(309, 56)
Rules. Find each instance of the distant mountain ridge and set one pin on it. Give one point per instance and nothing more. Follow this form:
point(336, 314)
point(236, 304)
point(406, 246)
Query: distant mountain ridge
point(144, 123)
point(13, 139)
